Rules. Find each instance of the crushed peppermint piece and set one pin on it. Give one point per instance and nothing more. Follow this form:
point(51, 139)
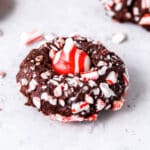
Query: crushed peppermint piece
point(61, 102)
point(51, 81)
point(90, 75)
point(111, 78)
point(74, 118)
point(36, 101)
point(100, 104)
point(117, 105)
point(107, 92)
point(49, 37)
point(145, 20)
point(96, 91)
point(101, 63)
point(89, 99)
point(58, 91)
point(52, 101)
point(102, 71)
point(24, 82)
point(73, 81)
point(32, 85)
point(45, 75)
point(80, 106)
point(65, 87)
point(29, 38)
point(91, 83)
point(52, 53)
point(118, 38)
point(2, 74)
point(126, 78)
point(108, 107)
point(44, 96)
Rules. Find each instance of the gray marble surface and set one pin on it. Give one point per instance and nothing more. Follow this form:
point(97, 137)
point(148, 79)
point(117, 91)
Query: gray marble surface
point(23, 128)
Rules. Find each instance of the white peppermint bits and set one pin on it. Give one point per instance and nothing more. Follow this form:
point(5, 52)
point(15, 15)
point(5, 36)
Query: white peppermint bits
point(89, 99)
point(24, 82)
point(101, 63)
point(92, 83)
point(100, 105)
point(31, 37)
point(61, 102)
point(36, 101)
point(111, 78)
point(93, 75)
point(80, 106)
point(107, 92)
point(102, 71)
point(44, 96)
point(52, 101)
point(118, 38)
point(58, 91)
point(96, 91)
point(32, 85)
point(45, 75)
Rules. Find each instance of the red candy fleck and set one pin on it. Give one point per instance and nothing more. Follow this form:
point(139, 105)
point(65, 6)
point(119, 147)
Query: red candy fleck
point(110, 82)
point(70, 59)
point(84, 105)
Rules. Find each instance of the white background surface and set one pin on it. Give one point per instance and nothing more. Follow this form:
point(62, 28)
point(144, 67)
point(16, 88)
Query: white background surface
point(23, 128)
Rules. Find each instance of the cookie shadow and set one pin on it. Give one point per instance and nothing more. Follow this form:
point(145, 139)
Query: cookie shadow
point(6, 8)
point(136, 90)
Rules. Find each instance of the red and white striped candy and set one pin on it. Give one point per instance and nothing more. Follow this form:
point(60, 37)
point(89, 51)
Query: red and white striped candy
point(93, 75)
point(31, 37)
point(126, 78)
point(145, 20)
point(111, 78)
point(117, 105)
point(71, 59)
point(145, 4)
point(80, 106)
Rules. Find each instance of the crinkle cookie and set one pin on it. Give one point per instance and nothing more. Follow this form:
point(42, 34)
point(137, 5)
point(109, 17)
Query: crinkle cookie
point(135, 11)
point(73, 79)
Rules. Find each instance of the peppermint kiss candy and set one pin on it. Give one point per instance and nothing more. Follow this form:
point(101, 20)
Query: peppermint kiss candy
point(71, 59)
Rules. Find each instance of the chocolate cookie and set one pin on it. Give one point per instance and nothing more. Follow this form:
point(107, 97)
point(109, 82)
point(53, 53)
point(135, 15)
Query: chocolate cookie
point(135, 11)
point(73, 79)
